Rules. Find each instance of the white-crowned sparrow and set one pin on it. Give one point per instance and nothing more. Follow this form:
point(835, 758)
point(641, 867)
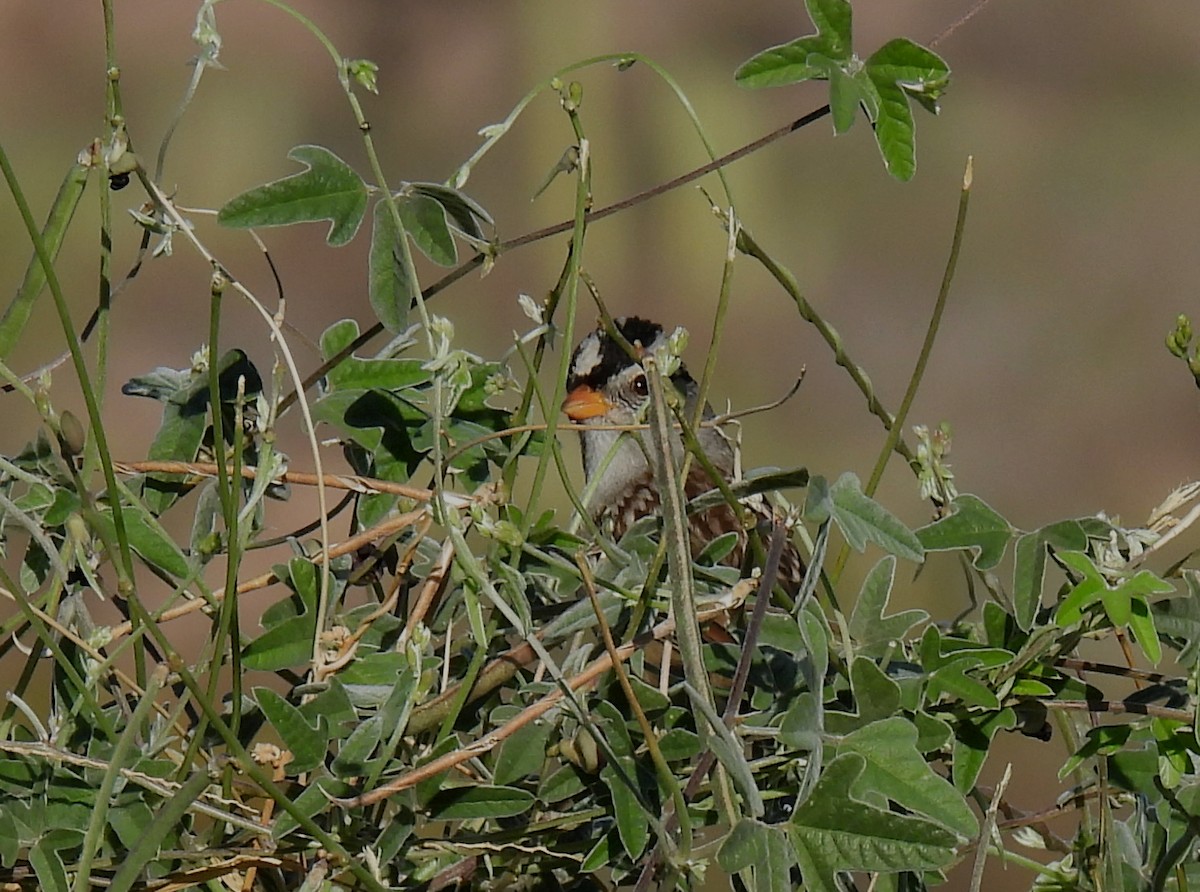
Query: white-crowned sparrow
point(605, 387)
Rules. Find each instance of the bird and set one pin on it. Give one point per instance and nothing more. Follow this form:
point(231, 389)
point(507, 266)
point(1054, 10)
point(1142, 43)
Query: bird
point(606, 387)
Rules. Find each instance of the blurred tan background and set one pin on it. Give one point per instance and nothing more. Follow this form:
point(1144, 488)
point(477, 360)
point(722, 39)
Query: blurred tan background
point(1079, 252)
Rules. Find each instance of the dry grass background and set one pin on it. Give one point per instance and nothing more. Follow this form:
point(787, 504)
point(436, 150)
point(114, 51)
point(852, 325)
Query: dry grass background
point(1080, 247)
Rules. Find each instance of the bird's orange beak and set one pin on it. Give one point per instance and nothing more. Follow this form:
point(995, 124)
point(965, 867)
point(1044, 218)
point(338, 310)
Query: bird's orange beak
point(585, 402)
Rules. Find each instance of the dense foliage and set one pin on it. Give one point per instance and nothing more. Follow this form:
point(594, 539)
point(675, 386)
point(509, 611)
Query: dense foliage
point(458, 684)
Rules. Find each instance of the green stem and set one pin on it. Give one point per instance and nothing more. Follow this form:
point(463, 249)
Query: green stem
point(583, 198)
point(747, 245)
point(16, 314)
point(124, 563)
point(679, 561)
point(539, 234)
point(935, 321)
point(51, 641)
point(246, 763)
point(120, 755)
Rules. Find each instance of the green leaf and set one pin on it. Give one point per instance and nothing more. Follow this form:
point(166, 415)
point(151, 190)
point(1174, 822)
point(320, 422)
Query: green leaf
point(973, 525)
point(1084, 594)
point(846, 92)
point(599, 856)
point(560, 783)
point(862, 519)
point(523, 753)
point(424, 219)
point(313, 800)
point(474, 803)
point(1029, 573)
point(898, 70)
point(146, 536)
point(951, 678)
point(290, 624)
point(973, 739)
point(911, 67)
point(358, 375)
point(801, 727)
point(815, 632)
point(306, 742)
point(1141, 623)
point(328, 189)
point(167, 820)
point(932, 732)
point(1179, 618)
point(833, 19)
point(46, 861)
point(178, 439)
point(392, 281)
point(1117, 599)
point(16, 315)
point(896, 770)
point(10, 843)
point(633, 824)
point(762, 849)
point(895, 133)
point(781, 65)
point(875, 697)
point(466, 213)
point(1135, 770)
point(354, 755)
point(833, 831)
point(1103, 740)
point(868, 625)
point(680, 743)
point(130, 822)
point(791, 62)
point(1064, 535)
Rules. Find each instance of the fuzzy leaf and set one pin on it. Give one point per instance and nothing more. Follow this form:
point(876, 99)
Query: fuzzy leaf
point(762, 849)
point(897, 771)
point(861, 519)
point(834, 831)
point(1179, 619)
point(1029, 572)
point(392, 281)
point(868, 625)
point(425, 220)
point(480, 802)
point(973, 739)
point(466, 213)
point(146, 536)
point(306, 742)
point(328, 189)
point(973, 525)
point(290, 624)
point(523, 753)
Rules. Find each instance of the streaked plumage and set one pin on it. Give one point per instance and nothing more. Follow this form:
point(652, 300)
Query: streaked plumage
point(606, 386)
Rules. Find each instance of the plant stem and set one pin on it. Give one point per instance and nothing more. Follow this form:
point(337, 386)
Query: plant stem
point(538, 234)
point(935, 321)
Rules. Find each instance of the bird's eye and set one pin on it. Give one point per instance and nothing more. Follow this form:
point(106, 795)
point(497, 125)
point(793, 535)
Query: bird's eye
point(641, 386)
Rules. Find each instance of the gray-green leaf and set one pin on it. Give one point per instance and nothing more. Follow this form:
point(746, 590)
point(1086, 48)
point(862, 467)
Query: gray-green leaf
point(861, 519)
point(392, 282)
point(328, 189)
